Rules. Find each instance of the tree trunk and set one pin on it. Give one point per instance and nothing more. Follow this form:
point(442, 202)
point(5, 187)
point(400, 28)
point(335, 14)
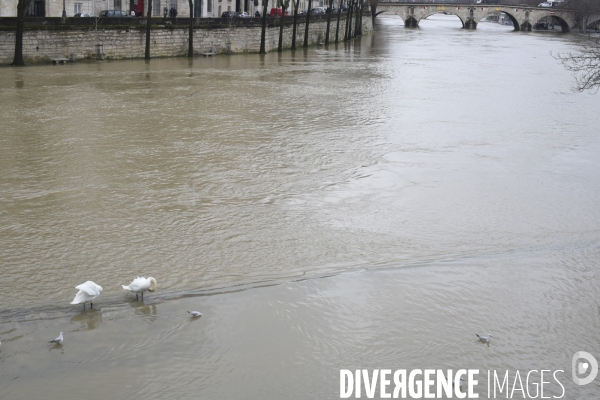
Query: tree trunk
point(362, 9)
point(337, 28)
point(352, 14)
point(264, 28)
point(148, 22)
point(305, 44)
point(280, 46)
point(330, 10)
point(295, 22)
point(348, 21)
point(22, 5)
point(373, 10)
point(191, 37)
point(357, 18)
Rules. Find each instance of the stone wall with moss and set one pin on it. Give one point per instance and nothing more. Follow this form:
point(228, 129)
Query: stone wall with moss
point(42, 43)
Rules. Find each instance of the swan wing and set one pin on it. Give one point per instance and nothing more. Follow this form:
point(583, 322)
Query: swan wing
point(89, 288)
point(140, 284)
point(82, 297)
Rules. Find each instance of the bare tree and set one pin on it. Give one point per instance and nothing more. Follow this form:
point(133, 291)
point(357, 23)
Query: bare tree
point(329, 11)
point(297, 4)
point(308, 12)
point(349, 21)
point(264, 28)
point(362, 10)
point(583, 10)
point(357, 18)
point(148, 22)
point(191, 33)
point(284, 5)
point(374, 13)
point(337, 28)
point(22, 6)
point(585, 66)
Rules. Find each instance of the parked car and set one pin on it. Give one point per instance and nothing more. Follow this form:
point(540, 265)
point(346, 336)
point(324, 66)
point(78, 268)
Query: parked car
point(228, 14)
point(318, 10)
point(545, 5)
point(344, 8)
point(276, 12)
point(243, 14)
point(84, 15)
point(114, 13)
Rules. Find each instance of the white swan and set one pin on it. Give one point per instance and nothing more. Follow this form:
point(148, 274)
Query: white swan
point(140, 285)
point(88, 291)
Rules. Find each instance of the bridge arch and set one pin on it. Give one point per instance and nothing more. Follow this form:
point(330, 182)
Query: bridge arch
point(593, 24)
point(512, 18)
point(563, 24)
point(447, 12)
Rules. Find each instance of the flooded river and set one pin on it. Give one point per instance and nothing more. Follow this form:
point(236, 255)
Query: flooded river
point(372, 205)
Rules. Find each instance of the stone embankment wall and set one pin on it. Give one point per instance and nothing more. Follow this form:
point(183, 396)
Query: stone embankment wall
point(41, 45)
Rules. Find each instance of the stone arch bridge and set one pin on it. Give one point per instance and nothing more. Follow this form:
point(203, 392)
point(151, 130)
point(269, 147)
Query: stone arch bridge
point(523, 18)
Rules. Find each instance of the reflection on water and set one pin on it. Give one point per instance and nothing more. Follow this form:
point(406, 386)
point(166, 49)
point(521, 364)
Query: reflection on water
point(88, 319)
point(441, 182)
point(145, 309)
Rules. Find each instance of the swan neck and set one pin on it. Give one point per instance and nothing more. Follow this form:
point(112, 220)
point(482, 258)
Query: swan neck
point(153, 284)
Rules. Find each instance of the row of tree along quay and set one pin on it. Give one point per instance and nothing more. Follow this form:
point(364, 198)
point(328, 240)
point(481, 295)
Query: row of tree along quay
point(585, 63)
point(353, 16)
point(284, 5)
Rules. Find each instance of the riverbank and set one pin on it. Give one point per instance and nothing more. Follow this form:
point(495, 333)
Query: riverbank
point(121, 40)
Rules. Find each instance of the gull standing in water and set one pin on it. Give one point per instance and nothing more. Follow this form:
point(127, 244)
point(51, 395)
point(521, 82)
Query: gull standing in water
point(195, 313)
point(141, 285)
point(88, 291)
point(485, 339)
point(58, 340)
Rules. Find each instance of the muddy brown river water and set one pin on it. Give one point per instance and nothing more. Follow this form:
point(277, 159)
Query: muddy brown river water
point(371, 205)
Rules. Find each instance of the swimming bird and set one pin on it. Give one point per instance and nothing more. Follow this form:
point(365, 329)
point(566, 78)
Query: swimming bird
point(88, 291)
point(195, 313)
point(58, 340)
point(485, 339)
point(140, 285)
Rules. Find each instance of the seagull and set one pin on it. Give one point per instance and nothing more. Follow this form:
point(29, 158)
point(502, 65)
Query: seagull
point(195, 313)
point(88, 291)
point(58, 340)
point(141, 285)
point(485, 339)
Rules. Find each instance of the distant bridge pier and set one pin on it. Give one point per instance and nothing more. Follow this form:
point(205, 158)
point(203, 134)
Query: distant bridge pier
point(411, 22)
point(470, 24)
